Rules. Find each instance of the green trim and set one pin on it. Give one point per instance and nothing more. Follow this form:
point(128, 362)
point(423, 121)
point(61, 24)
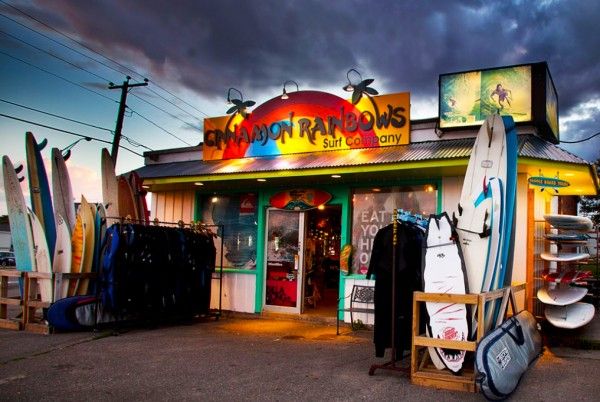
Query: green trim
point(263, 203)
point(239, 271)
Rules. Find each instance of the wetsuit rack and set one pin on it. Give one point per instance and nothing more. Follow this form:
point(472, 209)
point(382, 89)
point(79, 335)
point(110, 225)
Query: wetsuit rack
point(214, 230)
point(399, 215)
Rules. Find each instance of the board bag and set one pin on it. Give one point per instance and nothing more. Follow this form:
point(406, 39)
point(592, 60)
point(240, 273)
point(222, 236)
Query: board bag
point(504, 354)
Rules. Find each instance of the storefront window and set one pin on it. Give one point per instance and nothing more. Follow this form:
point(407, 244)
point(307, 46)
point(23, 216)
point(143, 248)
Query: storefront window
point(372, 210)
point(238, 215)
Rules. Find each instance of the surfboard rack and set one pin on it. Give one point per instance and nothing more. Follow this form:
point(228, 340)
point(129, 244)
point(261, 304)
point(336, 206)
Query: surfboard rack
point(33, 316)
point(10, 306)
point(423, 372)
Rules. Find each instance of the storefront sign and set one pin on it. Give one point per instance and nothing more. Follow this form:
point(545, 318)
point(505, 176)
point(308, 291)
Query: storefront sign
point(546, 182)
point(299, 200)
point(309, 121)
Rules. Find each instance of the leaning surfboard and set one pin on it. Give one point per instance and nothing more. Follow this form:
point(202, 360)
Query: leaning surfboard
point(444, 272)
point(110, 189)
point(41, 200)
point(42, 257)
point(78, 251)
point(88, 224)
point(62, 191)
point(20, 226)
point(61, 264)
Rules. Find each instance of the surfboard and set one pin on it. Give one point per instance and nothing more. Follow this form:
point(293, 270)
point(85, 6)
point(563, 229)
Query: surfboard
point(567, 276)
point(299, 199)
point(126, 201)
point(444, 272)
point(41, 200)
point(473, 218)
point(61, 264)
point(578, 238)
point(110, 189)
point(42, 257)
point(62, 192)
point(561, 295)
point(99, 232)
point(88, 244)
point(572, 316)
point(78, 250)
point(139, 195)
point(20, 226)
point(564, 257)
point(569, 222)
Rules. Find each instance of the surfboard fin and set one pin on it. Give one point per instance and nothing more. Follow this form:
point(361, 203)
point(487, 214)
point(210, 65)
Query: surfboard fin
point(19, 169)
point(21, 179)
point(454, 220)
point(460, 210)
point(67, 155)
point(42, 144)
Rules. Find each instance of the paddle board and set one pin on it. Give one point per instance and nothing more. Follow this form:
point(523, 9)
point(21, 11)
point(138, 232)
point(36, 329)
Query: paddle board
point(126, 201)
point(61, 264)
point(78, 250)
point(444, 272)
point(561, 295)
point(569, 222)
point(62, 191)
point(42, 257)
point(567, 276)
point(572, 316)
point(564, 257)
point(20, 226)
point(88, 224)
point(41, 201)
point(110, 189)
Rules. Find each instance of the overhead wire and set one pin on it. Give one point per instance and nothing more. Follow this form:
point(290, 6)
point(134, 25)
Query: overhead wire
point(67, 132)
point(163, 129)
point(578, 141)
point(163, 110)
point(106, 57)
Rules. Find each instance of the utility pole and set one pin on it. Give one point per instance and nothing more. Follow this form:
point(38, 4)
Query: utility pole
point(122, 105)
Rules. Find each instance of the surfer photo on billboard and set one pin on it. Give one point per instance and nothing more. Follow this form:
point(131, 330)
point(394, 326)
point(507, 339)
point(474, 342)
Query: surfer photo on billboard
point(504, 94)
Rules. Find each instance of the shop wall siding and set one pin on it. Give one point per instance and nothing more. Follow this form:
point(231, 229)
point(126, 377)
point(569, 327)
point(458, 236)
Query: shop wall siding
point(365, 318)
point(237, 295)
point(519, 274)
point(173, 206)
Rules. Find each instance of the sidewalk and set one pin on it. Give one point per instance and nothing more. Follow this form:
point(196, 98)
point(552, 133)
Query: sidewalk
point(245, 357)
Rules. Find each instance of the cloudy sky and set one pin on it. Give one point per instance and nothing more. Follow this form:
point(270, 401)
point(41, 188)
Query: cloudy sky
point(58, 57)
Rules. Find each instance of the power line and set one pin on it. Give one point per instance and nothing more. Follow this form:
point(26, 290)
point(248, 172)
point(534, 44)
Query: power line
point(55, 56)
point(106, 57)
point(163, 129)
point(163, 110)
point(56, 115)
point(129, 140)
point(57, 76)
point(578, 141)
point(66, 132)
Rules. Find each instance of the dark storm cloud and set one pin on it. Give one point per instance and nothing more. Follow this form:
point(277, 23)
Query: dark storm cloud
point(208, 46)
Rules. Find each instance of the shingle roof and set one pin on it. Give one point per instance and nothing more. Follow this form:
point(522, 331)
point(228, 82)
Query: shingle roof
point(529, 146)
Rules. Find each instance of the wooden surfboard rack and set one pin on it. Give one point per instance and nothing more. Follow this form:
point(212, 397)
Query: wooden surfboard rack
point(33, 317)
point(10, 307)
point(424, 372)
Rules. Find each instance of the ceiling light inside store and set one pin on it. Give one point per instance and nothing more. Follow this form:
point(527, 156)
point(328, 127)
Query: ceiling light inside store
point(215, 200)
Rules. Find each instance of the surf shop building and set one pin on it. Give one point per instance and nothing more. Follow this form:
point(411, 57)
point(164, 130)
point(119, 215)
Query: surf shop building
point(307, 173)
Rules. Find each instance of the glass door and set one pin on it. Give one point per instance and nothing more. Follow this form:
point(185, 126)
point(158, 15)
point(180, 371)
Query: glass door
point(284, 259)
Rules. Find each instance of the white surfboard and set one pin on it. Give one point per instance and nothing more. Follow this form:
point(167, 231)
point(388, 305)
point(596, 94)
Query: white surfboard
point(42, 257)
point(569, 222)
point(564, 257)
point(574, 238)
point(62, 192)
point(62, 256)
point(110, 187)
point(570, 317)
point(88, 223)
point(561, 295)
point(444, 272)
point(20, 226)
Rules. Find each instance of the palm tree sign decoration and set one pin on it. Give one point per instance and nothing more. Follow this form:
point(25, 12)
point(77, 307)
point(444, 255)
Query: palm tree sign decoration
point(361, 89)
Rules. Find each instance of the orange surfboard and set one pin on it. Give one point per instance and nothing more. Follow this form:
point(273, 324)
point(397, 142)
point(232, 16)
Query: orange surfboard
point(77, 249)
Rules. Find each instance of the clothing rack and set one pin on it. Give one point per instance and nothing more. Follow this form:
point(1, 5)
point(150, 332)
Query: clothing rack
point(399, 215)
point(193, 225)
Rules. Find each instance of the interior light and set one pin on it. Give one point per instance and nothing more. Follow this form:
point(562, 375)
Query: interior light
point(215, 200)
point(261, 180)
point(321, 207)
point(145, 186)
point(376, 190)
point(198, 183)
point(336, 176)
point(429, 188)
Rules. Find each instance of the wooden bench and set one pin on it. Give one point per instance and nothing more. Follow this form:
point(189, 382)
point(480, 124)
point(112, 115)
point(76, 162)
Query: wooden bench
point(362, 300)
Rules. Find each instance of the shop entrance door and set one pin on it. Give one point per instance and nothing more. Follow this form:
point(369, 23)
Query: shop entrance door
point(284, 260)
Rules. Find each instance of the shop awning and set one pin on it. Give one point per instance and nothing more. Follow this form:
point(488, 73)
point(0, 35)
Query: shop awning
point(423, 159)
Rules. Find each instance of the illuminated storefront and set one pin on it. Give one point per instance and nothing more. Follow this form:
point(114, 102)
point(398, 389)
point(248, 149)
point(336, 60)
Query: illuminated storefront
point(298, 178)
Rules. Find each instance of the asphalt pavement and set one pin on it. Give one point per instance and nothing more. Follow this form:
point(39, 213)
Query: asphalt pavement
point(246, 358)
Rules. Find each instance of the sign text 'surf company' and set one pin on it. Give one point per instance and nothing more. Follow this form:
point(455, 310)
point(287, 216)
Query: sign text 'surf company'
point(309, 121)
